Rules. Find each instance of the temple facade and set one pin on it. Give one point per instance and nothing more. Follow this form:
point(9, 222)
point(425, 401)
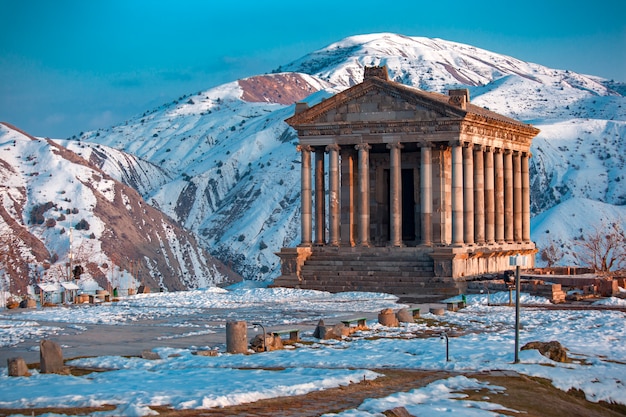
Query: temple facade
point(405, 190)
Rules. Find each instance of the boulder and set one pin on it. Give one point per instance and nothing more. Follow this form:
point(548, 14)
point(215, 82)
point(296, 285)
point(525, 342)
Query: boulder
point(336, 331)
point(17, 367)
point(271, 342)
point(552, 350)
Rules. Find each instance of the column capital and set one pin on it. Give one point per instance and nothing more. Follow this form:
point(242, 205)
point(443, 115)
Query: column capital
point(455, 142)
point(424, 144)
point(507, 151)
point(304, 148)
point(362, 147)
point(395, 145)
point(333, 147)
point(527, 155)
point(466, 144)
point(478, 147)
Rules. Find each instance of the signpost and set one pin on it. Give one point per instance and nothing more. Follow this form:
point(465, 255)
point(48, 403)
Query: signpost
point(517, 261)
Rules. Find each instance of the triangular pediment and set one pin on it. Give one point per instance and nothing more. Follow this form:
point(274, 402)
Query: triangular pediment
point(376, 100)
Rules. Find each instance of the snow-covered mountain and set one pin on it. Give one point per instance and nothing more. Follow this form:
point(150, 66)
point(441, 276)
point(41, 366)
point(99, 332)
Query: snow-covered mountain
point(59, 211)
point(223, 163)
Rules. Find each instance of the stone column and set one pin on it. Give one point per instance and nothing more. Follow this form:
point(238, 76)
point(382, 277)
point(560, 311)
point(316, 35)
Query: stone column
point(426, 192)
point(364, 193)
point(236, 337)
point(320, 198)
point(508, 196)
point(457, 194)
point(395, 193)
point(517, 197)
point(525, 198)
point(479, 196)
point(333, 197)
point(305, 194)
point(347, 209)
point(498, 167)
point(490, 226)
point(468, 194)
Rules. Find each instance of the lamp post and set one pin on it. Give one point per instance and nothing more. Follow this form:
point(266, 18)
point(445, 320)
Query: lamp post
point(517, 261)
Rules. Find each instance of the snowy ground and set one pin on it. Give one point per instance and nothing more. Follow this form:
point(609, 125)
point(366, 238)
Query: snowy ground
point(481, 337)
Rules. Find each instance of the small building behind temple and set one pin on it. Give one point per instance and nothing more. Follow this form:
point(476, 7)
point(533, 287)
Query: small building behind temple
point(424, 191)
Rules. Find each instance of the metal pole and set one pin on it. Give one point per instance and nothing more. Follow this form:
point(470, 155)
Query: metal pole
point(445, 335)
point(517, 289)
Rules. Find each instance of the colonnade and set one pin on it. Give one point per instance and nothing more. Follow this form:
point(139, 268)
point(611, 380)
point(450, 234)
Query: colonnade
point(489, 191)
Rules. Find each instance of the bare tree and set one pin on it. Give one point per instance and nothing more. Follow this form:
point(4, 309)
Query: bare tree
point(604, 249)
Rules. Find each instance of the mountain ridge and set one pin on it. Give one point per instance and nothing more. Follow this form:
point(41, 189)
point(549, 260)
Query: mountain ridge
point(223, 163)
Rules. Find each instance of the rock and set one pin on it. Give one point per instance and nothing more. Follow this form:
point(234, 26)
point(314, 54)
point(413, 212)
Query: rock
point(388, 318)
point(405, 316)
point(318, 329)
point(28, 303)
point(397, 412)
point(333, 332)
point(552, 350)
point(272, 342)
point(143, 289)
point(17, 367)
point(51, 358)
point(437, 311)
point(206, 353)
point(150, 355)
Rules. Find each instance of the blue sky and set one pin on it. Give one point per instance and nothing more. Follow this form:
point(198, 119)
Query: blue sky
point(68, 66)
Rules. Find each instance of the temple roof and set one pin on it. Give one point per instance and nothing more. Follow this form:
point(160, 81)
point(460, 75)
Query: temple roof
point(410, 104)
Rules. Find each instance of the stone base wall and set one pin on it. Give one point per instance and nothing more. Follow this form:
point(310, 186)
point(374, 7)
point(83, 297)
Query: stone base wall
point(466, 261)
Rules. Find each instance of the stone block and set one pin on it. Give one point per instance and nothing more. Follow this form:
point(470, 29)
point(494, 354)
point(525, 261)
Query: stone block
point(51, 358)
point(17, 367)
point(437, 311)
point(387, 318)
point(405, 316)
point(150, 355)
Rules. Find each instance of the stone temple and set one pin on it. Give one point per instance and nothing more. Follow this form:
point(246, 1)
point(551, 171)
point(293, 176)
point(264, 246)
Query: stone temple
point(418, 192)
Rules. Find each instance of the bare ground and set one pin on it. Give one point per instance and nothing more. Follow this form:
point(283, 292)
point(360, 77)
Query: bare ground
point(534, 397)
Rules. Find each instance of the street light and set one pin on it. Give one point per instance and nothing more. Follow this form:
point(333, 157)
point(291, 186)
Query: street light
point(264, 336)
point(517, 261)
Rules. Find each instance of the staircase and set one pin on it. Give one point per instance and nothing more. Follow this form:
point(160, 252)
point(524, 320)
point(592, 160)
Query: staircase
point(405, 272)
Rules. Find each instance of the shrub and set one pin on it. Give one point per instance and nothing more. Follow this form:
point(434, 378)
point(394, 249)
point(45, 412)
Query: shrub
point(50, 222)
point(82, 225)
point(37, 213)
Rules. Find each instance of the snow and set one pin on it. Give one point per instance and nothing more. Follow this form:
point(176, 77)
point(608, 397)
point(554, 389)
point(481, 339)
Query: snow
point(481, 338)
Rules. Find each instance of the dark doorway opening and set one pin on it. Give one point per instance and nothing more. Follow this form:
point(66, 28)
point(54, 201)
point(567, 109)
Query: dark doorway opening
point(408, 206)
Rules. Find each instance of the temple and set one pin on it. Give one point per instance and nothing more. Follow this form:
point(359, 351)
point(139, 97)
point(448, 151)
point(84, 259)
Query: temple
point(410, 192)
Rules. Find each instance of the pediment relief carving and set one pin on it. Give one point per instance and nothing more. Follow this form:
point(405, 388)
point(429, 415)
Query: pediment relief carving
point(377, 101)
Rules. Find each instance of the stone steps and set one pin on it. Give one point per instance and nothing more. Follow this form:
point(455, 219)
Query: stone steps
point(406, 271)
